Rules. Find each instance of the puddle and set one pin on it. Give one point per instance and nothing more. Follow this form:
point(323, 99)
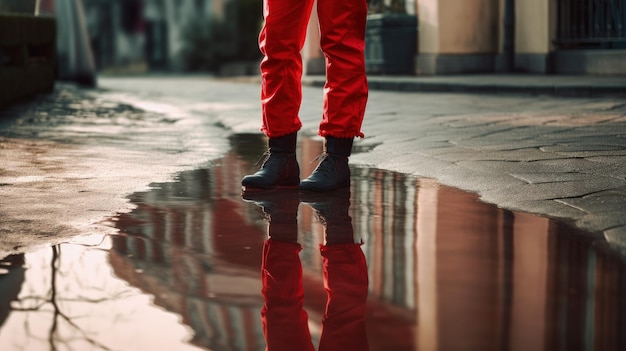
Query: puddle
point(442, 271)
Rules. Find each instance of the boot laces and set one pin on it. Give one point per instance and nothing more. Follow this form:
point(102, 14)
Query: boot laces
point(324, 168)
point(262, 159)
point(269, 159)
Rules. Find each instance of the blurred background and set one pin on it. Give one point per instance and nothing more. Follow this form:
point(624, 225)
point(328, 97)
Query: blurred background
point(404, 37)
point(173, 35)
point(138, 36)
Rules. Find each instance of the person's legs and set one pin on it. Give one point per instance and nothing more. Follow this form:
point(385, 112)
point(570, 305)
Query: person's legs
point(281, 40)
point(342, 30)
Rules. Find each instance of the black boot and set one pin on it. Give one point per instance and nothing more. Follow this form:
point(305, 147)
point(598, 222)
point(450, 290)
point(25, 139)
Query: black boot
point(280, 167)
point(332, 172)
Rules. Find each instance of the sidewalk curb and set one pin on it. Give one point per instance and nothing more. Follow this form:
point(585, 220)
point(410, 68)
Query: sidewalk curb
point(522, 85)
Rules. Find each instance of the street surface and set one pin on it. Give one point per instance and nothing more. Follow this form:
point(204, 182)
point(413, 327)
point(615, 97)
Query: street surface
point(125, 228)
point(554, 156)
point(70, 159)
point(560, 157)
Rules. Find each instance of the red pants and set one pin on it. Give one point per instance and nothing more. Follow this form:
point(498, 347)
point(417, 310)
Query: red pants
point(342, 31)
point(285, 323)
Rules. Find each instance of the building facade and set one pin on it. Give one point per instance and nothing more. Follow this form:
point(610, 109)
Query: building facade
point(531, 36)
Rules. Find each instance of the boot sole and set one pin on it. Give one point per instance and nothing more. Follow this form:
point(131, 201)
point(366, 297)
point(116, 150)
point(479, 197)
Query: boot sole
point(260, 194)
point(247, 189)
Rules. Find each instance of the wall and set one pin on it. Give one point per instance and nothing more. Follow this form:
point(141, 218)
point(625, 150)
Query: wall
point(534, 31)
point(312, 53)
point(457, 36)
point(468, 26)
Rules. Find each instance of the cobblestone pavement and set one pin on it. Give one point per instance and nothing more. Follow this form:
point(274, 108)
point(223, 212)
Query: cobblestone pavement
point(554, 156)
point(560, 157)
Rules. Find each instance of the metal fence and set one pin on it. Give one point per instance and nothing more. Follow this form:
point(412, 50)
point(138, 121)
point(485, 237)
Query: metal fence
point(591, 24)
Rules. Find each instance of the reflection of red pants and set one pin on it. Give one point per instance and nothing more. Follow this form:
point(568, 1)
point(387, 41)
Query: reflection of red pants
point(342, 31)
point(345, 280)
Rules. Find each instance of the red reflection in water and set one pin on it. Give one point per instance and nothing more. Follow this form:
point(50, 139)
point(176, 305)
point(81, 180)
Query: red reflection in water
point(345, 280)
point(445, 271)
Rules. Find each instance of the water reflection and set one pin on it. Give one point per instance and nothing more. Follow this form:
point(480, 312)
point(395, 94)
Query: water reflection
point(64, 297)
point(444, 271)
point(11, 279)
point(285, 322)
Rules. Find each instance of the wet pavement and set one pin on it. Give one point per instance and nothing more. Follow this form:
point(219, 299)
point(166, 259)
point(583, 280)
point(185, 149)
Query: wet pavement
point(556, 156)
point(69, 159)
point(123, 226)
point(442, 271)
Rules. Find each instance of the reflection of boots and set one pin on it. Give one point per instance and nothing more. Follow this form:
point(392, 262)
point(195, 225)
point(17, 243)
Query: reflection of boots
point(285, 323)
point(345, 274)
point(332, 172)
point(331, 209)
point(280, 208)
point(280, 167)
point(346, 284)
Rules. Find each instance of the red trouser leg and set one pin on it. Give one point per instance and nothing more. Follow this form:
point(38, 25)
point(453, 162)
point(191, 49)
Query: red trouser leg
point(285, 323)
point(281, 40)
point(346, 283)
point(342, 32)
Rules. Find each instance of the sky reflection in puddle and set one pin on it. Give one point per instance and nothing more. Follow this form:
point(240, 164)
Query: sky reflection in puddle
point(68, 298)
point(445, 272)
